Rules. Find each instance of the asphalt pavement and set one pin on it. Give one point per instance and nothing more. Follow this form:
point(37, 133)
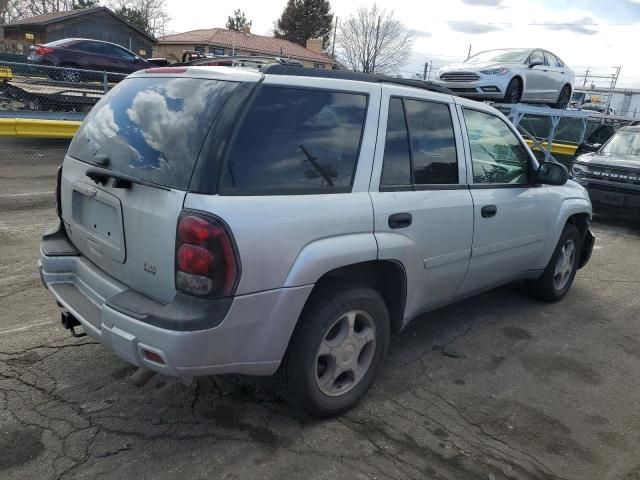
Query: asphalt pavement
point(534, 390)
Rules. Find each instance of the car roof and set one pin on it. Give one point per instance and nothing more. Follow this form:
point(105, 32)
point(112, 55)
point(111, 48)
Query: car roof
point(286, 70)
point(84, 40)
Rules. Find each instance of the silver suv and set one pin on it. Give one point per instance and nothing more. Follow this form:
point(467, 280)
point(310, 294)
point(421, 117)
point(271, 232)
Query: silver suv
point(284, 222)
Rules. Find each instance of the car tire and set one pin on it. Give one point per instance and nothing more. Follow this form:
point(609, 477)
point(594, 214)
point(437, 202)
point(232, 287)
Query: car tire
point(558, 276)
point(513, 93)
point(345, 325)
point(563, 98)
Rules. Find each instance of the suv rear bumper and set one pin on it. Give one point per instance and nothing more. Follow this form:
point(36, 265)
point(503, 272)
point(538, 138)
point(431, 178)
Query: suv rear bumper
point(250, 337)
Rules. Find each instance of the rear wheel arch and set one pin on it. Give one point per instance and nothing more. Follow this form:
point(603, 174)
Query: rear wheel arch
point(387, 277)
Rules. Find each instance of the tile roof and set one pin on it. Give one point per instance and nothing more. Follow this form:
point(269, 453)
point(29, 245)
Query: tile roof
point(246, 41)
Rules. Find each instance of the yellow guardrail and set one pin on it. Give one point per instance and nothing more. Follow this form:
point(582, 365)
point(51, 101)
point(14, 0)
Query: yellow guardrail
point(28, 127)
point(559, 148)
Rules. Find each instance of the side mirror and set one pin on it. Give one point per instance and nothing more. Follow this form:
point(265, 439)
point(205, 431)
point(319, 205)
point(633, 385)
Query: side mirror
point(596, 146)
point(535, 63)
point(552, 173)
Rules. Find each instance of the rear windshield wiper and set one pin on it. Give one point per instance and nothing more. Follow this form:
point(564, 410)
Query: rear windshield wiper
point(120, 180)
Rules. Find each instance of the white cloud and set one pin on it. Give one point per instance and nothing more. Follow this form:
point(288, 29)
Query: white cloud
point(509, 23)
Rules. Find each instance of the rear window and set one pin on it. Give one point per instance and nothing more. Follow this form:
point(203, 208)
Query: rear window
point(152, 128)
point(296, 141)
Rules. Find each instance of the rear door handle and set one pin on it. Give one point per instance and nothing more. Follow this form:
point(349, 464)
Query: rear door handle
point(400, 220)
point(489, 211)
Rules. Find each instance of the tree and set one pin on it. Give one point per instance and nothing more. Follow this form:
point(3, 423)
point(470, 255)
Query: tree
point(149, 15)
point(133, 16)
point(372, 41)
point(80, 4)
point(305, 19)
point(239, 21)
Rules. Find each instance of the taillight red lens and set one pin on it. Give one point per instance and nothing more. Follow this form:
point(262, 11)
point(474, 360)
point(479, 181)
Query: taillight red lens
point(193, 230)
point(194, 259)
point(206, 263)
point(43, 51)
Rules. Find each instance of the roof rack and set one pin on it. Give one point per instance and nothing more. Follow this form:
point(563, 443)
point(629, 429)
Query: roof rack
point(277, 69)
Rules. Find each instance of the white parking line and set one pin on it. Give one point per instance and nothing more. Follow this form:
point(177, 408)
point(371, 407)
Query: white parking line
point(27, 327)
point(24, 194)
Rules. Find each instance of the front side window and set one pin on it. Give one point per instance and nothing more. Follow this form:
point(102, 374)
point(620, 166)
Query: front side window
point(295, 139)
point(537, 56)
point(496, 153)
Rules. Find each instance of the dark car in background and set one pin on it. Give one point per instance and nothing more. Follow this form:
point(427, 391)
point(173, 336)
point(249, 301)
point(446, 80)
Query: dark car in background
point(612, 174)
point(82, 53)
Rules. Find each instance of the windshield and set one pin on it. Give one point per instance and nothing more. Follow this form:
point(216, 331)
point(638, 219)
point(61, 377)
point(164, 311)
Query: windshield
point(625, 142)
point(152, 128)
point(498, 56)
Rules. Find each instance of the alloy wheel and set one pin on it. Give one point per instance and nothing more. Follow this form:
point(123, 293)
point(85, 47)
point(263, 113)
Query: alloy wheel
point(564, 265)
point(345, 353)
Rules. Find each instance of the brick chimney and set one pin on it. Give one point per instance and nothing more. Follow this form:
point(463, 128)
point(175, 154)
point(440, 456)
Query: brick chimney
point(246, 29)
point(315, 45)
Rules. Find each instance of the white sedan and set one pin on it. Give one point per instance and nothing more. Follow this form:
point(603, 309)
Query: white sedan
point(511, 75)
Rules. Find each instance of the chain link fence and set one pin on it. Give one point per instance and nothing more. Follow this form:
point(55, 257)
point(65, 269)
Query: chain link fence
point(41, 92)
point(42, 88)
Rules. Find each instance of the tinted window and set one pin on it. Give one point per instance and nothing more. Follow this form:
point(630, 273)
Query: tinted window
point(496, 153)
point(121, 52)
point(433, 145)
point(396, 166)
point(296, 139)
point(152, 128)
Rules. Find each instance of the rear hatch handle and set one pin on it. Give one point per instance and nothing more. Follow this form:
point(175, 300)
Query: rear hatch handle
point(120, 180)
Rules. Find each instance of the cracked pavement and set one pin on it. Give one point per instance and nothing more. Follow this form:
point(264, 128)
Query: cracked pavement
point(543, 391)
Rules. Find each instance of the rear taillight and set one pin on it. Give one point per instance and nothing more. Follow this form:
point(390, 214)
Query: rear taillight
point(58, 186)
point(42, 51)
point(206, 260)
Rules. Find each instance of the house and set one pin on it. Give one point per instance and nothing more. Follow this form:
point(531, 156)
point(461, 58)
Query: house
point(98, 23)
point(220, 41)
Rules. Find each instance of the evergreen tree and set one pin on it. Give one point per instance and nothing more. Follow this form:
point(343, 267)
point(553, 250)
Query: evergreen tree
point(134, 16)
point(80, 4)
point(305, 19)
point(238, 21)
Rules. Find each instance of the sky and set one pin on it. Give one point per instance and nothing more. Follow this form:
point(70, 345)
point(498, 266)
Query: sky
point(594, 34)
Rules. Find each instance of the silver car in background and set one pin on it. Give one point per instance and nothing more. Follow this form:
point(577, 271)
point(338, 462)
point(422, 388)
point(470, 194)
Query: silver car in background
point(511, 75)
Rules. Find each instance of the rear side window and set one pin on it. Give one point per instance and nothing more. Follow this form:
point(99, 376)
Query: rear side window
point(396, 166)
point(296, 141)
point(420, 146)
point(152, 128)
point(433, 144)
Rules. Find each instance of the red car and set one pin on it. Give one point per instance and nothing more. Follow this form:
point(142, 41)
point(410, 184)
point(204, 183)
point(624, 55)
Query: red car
point(82, 53)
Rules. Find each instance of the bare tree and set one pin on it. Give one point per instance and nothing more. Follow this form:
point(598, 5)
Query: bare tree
point(150, 15)
point(372, 41)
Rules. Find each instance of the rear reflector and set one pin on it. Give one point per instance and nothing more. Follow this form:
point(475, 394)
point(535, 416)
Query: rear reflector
point(166, 70)
point(153, 356)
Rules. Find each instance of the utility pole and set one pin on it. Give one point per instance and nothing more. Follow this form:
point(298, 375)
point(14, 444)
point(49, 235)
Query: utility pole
point(586, 74)
point(333, 45)
point(375, 46)
point(426, 67)
point(469, 54)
